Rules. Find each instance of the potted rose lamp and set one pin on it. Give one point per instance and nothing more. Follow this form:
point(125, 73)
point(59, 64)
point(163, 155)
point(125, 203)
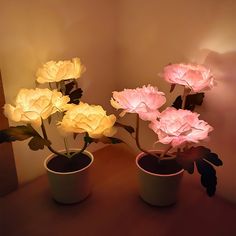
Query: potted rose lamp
point(68, 169)
point(178, 127)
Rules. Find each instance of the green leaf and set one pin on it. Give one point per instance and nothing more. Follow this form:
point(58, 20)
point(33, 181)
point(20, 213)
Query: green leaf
point(62, 87)
point(69, 87)
point(177, 103)
point(115, 140)
point(108, 140)
point(191, 101)
point(37, 143)
point(75, 96)
point(214, 159)
point(203, 158)
point(172, 87)
point(128, 128)
point(87, 139)
point(192, 154)
point(208, 176)
point(17, 133)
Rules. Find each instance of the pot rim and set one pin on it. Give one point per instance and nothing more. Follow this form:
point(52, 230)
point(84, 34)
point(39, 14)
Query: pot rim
point(140, 155)
point(52, 155)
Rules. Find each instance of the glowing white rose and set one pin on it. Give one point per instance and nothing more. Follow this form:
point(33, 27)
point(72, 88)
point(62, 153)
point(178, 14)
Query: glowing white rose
point(33, 105)
point(57, 71)
point(88, 118)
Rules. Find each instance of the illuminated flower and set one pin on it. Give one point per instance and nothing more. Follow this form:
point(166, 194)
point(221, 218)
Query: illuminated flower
point(62, 70)
point(32, 105)
point(88, 118)
point(176, 127)
point(144, 101)
point(195, 77)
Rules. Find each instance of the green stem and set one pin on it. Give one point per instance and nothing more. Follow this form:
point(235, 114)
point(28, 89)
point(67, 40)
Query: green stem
point(50, 85)
point(62, 87)
point(165, 152)
point(184, 97)
point(46, 138)
point(66, 146)
point(137, 139)
point(76, 84)
point(86, 144)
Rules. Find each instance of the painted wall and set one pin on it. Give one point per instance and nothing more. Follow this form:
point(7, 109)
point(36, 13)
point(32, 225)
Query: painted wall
point(154, 33)
point(33, 32)
point(125, 44)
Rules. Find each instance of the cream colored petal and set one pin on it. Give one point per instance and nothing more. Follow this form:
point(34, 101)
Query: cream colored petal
point(11, 112)
point(115, 104)
point(36, 123)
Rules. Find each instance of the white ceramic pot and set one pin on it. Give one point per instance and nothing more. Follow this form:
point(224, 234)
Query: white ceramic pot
point(70, 187)
point(158, 189)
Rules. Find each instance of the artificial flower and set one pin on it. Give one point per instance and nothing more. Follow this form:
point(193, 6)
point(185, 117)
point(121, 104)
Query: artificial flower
point(54, 71)
point(88, 118)
point(177, 127)
point(195, 77)
point(144, 101)
point(33, 105)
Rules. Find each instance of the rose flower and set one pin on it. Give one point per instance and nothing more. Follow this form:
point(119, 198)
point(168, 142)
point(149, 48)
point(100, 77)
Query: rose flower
point(88, 118)
point(195, 77)
point(33, 105)
point(177, 127)
point(144, 101)
point(57, 71)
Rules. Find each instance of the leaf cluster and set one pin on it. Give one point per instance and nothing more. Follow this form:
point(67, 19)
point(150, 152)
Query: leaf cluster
point(71, 89)
point(204, 160)
point(23, 132)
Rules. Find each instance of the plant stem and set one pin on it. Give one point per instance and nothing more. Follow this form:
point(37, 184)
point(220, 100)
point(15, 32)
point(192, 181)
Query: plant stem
point(184, 97)
point(66, 146)
point(62, 87)
point(46, 138)
point(76, 84)
point(137, 139)
point(58, 86)
point(50, 85)
point(165, 152)
point(86, 144)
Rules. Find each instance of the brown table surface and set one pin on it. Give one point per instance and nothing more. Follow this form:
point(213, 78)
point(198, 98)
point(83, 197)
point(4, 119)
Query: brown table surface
point(114, 207)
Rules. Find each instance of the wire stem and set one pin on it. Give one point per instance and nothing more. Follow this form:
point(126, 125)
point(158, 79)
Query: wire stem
point(66, 146)
point(184, 97)
point(137, 139)
point(86, 144)
point(46, 138)
point(165, 152)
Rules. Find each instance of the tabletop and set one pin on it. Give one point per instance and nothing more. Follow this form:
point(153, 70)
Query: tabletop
point(114, 207)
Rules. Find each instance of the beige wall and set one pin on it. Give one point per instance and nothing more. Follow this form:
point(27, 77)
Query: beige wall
point(33, 32)
point(125, 44)
point(153, 33)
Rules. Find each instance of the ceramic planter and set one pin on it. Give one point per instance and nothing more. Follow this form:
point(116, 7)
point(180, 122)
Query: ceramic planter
point(158, 189)
point(69, 187)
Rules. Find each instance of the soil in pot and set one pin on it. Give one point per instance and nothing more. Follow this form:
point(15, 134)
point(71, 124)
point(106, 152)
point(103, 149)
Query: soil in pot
point(64, 164)
point(163, 167)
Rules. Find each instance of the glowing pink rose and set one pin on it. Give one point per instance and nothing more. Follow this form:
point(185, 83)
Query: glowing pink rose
point(195, 77)
point(144, 101)
point(176, 127)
